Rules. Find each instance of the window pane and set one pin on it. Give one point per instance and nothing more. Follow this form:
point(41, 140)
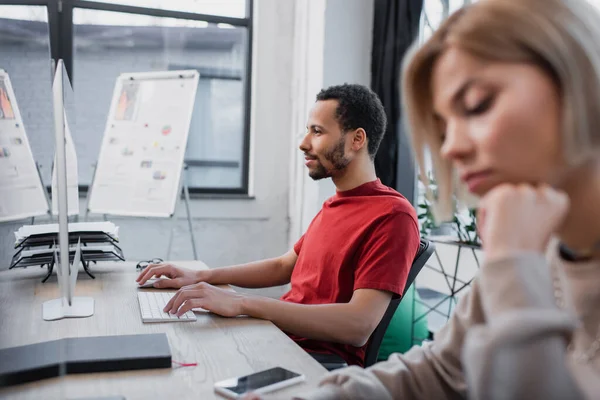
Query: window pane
point(25, 55)
point(215, 149)
point(223, 8)
point(435, 11)
point(107, 44)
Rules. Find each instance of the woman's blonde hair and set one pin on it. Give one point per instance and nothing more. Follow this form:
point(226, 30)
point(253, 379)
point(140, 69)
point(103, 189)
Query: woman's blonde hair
point(560, 36)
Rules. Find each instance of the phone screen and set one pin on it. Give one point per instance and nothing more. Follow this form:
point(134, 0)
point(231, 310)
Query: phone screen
point(258, 380)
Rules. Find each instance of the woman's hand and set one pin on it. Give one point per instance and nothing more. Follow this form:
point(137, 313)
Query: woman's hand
point(516, 218)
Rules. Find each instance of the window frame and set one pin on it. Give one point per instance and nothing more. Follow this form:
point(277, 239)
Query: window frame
point(60, 28)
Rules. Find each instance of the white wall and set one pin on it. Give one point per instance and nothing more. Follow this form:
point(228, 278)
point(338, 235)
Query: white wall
point(309, 28)
point(348, 42)
point(337, 38)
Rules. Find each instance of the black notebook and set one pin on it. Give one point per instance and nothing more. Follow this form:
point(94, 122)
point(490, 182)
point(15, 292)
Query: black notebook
point(82, 355)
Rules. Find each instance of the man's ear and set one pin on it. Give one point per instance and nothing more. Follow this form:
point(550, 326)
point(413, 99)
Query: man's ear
point(359, 139)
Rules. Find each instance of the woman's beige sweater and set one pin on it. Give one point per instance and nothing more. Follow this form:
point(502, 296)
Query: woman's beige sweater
point(507, 339)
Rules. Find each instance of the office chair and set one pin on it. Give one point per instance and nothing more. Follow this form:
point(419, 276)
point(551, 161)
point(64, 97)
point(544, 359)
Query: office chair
point(332, 361)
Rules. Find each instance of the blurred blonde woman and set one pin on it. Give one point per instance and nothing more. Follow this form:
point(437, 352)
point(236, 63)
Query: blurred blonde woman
point(506, 98)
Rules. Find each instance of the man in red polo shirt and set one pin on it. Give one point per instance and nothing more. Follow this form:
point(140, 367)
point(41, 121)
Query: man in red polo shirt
point(355, 254)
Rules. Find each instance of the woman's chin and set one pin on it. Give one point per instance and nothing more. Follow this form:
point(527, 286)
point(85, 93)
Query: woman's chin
point(480, 187)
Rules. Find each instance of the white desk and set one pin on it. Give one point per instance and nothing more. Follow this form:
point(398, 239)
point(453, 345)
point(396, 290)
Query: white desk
point(222, 347)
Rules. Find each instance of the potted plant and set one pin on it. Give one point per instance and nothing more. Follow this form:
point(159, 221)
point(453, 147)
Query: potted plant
point(449, 273)
point(463, 225)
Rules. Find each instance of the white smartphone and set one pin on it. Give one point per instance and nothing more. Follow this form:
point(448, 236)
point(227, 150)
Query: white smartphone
point(259, 382)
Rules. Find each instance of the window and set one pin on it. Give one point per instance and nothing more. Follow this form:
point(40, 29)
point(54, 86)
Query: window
point(223, 8)
point(25, 55)
point(435, 11)
point(99, 40)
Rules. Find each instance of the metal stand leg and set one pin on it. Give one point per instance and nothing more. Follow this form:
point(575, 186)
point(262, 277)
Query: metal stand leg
point(186, 195)
point(49, 274)
point(172, 232)
point(86, 268)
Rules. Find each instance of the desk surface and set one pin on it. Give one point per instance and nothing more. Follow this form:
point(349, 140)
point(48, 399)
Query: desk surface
point(222, 347)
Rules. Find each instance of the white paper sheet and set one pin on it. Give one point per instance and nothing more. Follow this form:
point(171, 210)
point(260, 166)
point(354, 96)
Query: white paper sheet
point(21, 190)
point(141, 157)
point(103, 226)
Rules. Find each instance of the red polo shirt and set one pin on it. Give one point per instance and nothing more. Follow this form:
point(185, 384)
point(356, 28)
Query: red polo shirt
point(364, 238)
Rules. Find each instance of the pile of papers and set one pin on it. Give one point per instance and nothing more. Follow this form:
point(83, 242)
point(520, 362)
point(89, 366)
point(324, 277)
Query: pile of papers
point(37, 244)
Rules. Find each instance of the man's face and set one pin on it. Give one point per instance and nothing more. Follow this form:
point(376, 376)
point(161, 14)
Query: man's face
point(324, 145)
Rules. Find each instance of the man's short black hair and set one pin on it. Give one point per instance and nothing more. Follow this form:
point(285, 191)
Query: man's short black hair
point(358, 107)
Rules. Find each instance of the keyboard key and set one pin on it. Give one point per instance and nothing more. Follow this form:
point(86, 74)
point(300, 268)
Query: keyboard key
point(152, 305)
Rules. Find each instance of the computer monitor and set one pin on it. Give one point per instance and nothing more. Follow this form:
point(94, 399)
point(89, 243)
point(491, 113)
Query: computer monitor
point(68, 105)
point(67, 306)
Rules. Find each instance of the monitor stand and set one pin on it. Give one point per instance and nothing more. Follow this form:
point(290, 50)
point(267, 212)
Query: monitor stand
point(80, 307)
point(67, 305)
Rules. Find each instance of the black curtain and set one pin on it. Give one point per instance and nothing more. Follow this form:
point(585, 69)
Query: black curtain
point(395, 27)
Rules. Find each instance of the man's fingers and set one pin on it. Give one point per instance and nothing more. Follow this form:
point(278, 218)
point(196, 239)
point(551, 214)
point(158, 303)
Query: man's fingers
point(170, 306)
point(167, 283)
point(146, 274)
point(180, 297)
point(156, 270)
point(188, 305)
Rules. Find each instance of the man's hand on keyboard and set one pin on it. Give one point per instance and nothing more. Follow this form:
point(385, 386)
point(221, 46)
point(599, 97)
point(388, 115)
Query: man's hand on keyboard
point(211, 298)
point(180, 277)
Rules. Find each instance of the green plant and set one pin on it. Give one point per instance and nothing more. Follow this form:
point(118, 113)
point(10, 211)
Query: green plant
point(426, 218)
point(465, 227)
point(425, 210)
point(467, 230)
